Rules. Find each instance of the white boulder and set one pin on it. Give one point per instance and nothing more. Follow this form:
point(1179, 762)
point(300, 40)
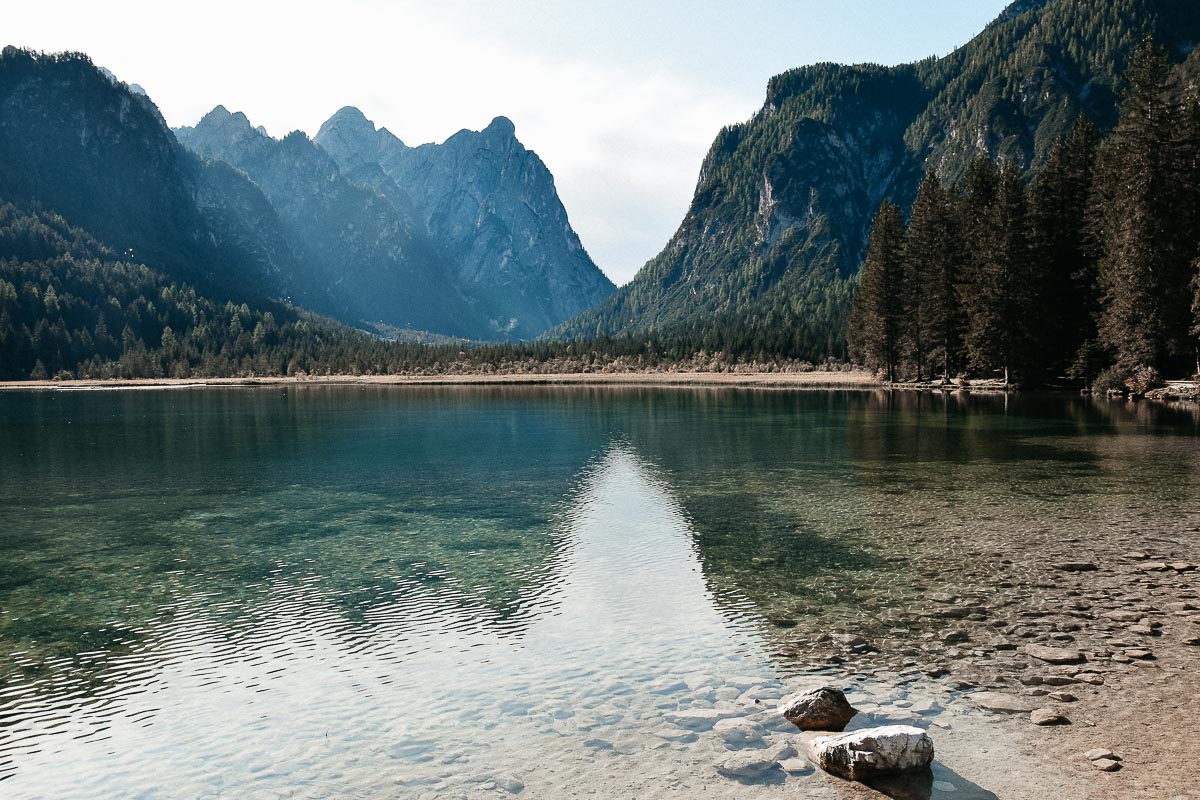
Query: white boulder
point(874, 752)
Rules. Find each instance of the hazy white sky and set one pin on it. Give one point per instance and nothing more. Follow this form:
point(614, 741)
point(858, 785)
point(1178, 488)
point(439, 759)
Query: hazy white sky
point(620, 98)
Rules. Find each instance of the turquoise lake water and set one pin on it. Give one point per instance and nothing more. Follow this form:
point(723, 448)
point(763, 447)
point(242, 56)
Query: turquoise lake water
point(400, 592)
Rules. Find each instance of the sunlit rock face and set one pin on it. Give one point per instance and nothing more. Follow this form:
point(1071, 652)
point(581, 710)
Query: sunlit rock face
point(362, 260)
point(492, 209)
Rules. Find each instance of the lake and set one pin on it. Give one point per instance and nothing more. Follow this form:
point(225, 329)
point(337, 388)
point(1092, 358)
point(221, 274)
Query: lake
point(345, 591)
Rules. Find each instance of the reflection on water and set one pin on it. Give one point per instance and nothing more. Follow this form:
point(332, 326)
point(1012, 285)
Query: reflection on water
point(397, 592)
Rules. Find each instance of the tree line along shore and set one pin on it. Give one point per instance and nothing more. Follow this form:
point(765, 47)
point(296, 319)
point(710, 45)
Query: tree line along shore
point(1090, 273)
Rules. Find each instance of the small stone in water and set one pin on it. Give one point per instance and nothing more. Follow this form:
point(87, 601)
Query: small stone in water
point(795, 766)
point(1048, 716)
point(824, 709)
point(998, 701)
point(1058, 680)
point(1053, 655)
point(739, 732)
point(1099, 753)
point(753, 763)
point(510, 783)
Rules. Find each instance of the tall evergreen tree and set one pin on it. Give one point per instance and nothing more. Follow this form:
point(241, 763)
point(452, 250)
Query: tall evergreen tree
point(977, 192)
point(877, 318)
point(933, 260)
point(1060, 230)
point(1195, 329)
point(1143, 261)
point(999, 302)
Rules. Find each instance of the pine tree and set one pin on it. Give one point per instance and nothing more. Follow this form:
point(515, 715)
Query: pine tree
point(1142, 260)
point(977, 193)
point(878, 314)
point(999, 301)
point(1195, 329)
point(933, 255)
point(1066, 269)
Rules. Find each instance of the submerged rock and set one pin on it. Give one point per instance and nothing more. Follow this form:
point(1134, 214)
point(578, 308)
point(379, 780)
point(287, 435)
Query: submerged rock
point(698, 719)
point(750, 764)
point(824, 709)
point(875, 752)
point(1004, 703)
point(739, 732)
point(509, 783)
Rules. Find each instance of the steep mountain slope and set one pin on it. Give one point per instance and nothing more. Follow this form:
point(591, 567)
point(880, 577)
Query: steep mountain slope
point(361, 259)
point(74, 141)
point(779, 219)
point(490, 205)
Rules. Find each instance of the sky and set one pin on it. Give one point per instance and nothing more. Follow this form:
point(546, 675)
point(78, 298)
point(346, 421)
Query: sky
point(620, 98)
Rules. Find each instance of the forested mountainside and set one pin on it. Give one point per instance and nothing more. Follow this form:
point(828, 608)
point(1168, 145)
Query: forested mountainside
point(71, 307)
point(765, 258)
point(76, 143)
point(1091, 271)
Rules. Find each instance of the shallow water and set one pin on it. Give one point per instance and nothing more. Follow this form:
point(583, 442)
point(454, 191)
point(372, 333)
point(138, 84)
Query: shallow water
point(398, 592)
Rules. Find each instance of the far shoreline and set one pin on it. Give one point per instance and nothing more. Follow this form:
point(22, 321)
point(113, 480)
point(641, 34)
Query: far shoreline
point(813, 380)
point(850, 380)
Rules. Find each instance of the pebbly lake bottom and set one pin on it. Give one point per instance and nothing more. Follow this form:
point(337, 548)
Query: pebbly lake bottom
point(485, 592)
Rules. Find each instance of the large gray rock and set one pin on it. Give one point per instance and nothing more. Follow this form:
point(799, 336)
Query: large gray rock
point(824, 709)
point(875, 752)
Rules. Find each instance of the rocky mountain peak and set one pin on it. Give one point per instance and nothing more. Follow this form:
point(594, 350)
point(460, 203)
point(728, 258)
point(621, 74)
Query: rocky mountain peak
point(223, 125)
point(501, 128)
point(352, 139)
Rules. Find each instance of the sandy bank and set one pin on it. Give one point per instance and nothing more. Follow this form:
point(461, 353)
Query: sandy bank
point(820, 380)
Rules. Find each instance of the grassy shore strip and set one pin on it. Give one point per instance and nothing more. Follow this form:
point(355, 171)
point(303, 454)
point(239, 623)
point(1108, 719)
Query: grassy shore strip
point(816, 380)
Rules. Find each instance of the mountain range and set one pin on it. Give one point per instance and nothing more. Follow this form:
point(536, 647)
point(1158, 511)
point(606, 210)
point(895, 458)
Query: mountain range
point(468, 240)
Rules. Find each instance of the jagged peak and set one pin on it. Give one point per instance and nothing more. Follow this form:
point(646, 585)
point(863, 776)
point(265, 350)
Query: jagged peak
point(351, 120)
point(221, 117)
point(501, 127)
point(351, 114)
